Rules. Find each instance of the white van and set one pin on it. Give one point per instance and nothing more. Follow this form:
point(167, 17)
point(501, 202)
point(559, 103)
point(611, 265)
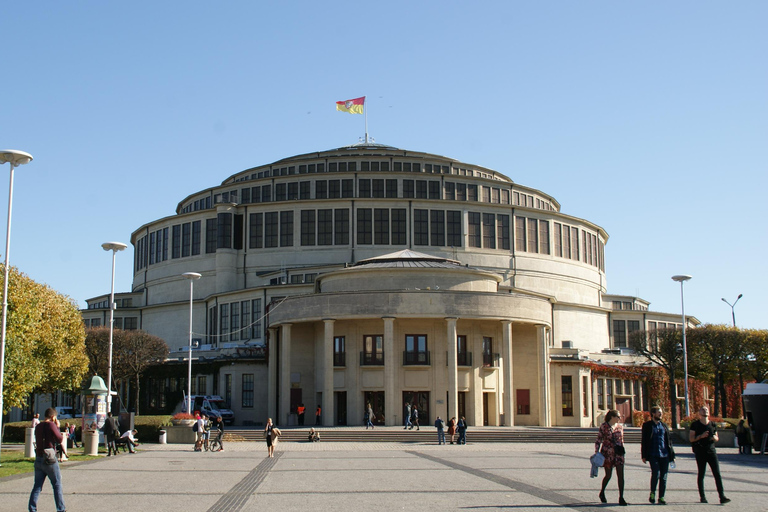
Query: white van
point(213, 406)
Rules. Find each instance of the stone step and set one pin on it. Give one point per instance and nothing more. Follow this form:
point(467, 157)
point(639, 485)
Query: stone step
point(428, 435)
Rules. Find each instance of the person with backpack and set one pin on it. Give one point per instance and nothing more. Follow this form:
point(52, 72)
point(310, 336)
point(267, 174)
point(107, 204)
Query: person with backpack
point(461, 426)
point(440, 426)
point(199, 429)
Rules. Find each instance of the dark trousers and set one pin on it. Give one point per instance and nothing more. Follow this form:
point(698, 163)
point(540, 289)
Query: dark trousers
point(702, 459)
point(659, 471)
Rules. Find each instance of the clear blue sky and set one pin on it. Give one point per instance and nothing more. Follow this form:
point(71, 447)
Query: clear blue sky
point(649, 119)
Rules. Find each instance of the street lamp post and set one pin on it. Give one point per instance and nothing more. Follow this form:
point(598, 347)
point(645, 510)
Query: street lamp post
point(114, 247)
point(192, 276)
point(733, 313)
point(682, 279)
point(15, 158)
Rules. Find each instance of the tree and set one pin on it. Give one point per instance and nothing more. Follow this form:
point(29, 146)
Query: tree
point(663, 348)
point(132, 353)
point(44, 341)
point(755, 363)
point(718, 349)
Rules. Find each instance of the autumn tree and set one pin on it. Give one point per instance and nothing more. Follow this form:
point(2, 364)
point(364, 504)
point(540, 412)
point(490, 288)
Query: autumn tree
point(755, 363)
point(662, 347)
point(45, 349)
point(132, 353)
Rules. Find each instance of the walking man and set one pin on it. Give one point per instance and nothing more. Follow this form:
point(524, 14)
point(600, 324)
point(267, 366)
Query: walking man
point(703, 437)
point(656, 449)
point(408, 416)
point(111, 430)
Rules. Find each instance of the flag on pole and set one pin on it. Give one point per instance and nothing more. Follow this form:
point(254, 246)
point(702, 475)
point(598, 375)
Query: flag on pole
point(354, 106)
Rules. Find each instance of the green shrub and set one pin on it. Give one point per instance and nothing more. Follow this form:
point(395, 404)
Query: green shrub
point(14, 432)
point(149, 427)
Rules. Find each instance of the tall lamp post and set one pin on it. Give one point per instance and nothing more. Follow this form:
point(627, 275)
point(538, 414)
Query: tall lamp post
point(682, 279)
point(15, 158)
point(192, 276)
point(733, 313)
point(114, 247)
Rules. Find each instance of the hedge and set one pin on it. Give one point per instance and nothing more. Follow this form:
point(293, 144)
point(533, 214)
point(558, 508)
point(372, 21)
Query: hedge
point(148, 426)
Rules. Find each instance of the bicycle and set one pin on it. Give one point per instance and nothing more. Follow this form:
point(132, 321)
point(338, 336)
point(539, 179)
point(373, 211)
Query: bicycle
point(216, 444)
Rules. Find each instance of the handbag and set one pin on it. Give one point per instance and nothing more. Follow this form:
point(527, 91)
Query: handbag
point(50, 455)
point(618, 449)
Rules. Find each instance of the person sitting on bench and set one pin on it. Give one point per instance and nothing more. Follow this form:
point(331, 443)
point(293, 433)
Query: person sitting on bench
point(128, 440)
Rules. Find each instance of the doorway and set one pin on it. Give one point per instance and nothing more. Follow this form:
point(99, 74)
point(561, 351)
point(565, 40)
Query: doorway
point(421, 399)
point(340, 406)
point(624, 406)
point(376, 399)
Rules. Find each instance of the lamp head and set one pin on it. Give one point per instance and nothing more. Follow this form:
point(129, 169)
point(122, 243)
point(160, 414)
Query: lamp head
point(740, 296)
point(113, 246)
point(191, 275)
point(15, 157)
point(681, 278)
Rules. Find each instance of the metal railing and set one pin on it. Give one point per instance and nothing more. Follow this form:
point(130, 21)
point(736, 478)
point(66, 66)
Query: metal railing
point(416, 358)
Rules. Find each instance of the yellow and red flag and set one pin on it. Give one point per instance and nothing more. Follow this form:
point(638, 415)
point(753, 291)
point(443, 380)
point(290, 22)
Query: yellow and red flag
point(354, 106)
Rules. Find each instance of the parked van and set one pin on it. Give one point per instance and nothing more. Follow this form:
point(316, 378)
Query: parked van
point(214, 406)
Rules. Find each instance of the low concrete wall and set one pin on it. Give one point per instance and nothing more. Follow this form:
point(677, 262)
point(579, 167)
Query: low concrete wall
point(180, 434)
point(726, 437)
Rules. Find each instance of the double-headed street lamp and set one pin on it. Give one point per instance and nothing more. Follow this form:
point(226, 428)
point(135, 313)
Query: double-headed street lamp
point(114, 247)
point(192, 276)
point(15, 158)
point(733, 313)
point(681, 279)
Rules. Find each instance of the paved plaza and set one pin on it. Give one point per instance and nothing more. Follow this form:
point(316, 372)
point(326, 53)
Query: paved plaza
point(372, 477)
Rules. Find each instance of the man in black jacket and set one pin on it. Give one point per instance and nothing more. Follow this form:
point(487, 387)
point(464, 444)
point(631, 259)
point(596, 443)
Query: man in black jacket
point(657, 450)
point(111, 431)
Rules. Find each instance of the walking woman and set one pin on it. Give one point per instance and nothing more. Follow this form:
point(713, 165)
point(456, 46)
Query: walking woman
point(369, 417)
point(610, 442)
point(452, 428)
point(271, 433)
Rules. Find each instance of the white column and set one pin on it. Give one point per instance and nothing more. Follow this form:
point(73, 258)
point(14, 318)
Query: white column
point(453, 390)
point(544, 387)
point(506, 372)
point(328, 409)
point(272, 375)
point(391, 402)
point(285, 374)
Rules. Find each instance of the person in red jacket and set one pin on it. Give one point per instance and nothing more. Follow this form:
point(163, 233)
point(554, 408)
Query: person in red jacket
point(47, 435)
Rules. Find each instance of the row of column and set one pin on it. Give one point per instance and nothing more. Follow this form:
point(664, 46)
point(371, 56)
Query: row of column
point(282, 337)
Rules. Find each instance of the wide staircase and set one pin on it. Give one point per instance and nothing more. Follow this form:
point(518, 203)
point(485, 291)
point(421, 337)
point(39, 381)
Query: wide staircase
point(429, 434)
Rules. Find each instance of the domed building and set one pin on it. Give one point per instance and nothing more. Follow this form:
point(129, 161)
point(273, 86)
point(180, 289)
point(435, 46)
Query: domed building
point(374, 275)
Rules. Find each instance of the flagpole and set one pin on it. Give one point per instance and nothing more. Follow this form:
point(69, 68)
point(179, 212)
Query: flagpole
point(365, 111)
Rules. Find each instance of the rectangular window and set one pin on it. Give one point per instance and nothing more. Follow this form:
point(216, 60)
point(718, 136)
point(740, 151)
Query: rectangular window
point(256, 238)
point(474, 235)
point(307, 227)
point(421, 227)
point(347, 188)
point(152, 244)
point(488, 358)
point(463, 355)
point(533, 235)
point(416, 349)
point(461, 191)
point(334, 189)
point(450, 191)
point(434, 190)
point(321, 189)
point(186, 239)
point(364, 188)
point(165, 244)
point(503, 231)
point(280, 192)
point(558, 235)
point(270, 229)
point(489, 231)
point(224, 327)
point(196, 226)
point(293, 191)
point(454, 228)
point(381, 226)
point(224, 231)
point(600, 394)
point(632, 326)
point(339, 351)
point(245, 315)
point(544, 237)
point(421, 189)
point(325, 227)
point(234, 321)
point(364, 226)
point(247, 391)
point(399, 226)
point(266, 193)
point(575, 244)
point(486, 191)
point(619, 334)
point(377, 188)
point(437, 227)
point(228, 390)
point(341, 227)
point(210, 235)
point(176, 241)
point(585, 396)
point(286, 229)
point(567, 394)
point(584, 245)
point(523, 399)
point(391, 188)
point(373, 350)
point(305, 190)
point(520, 240)
point(408, 189)
point(471, 192)
point(256, 325)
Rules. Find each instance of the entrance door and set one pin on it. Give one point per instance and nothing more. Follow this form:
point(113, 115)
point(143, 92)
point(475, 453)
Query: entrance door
point(421, 399)
point(340, 406)
point(295, 402)
point(624, 406)
point(462, 400)
point(485, 409)
point(376, 399)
